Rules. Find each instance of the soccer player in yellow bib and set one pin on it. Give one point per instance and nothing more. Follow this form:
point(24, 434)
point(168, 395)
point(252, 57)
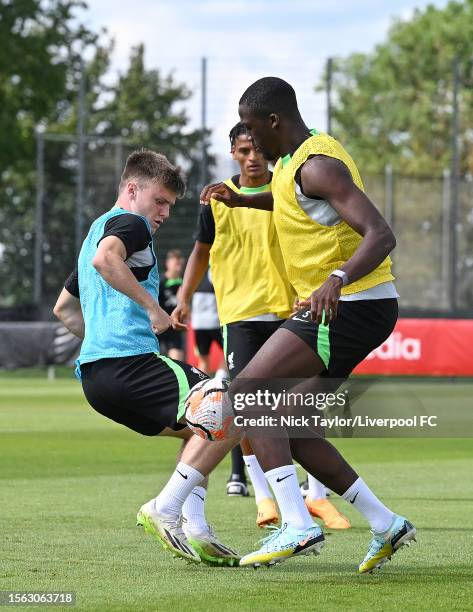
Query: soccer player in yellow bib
point(253, 299)
point(335, 246)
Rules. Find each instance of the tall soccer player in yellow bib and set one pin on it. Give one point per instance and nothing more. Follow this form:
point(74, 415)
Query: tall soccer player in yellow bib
point(253, 300)
point(335, 246)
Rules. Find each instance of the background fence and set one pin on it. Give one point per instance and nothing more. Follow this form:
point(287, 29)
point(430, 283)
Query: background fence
point(61, 228)
point(418, 208)
point(77, 177)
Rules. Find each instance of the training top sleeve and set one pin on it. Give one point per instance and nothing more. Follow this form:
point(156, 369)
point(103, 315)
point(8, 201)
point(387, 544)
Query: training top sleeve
point(205, 231)
point(72, 283)
point(132, 231)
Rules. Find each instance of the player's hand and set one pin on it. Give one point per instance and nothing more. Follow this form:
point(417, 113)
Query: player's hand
point(324, 300)
point(180, 316)
point(298, 305)
point(221, 193)
point(159, 319)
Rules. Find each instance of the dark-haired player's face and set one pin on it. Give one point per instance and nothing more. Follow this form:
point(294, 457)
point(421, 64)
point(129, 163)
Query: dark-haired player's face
point(264, 135)
point(249, 157)
point(174, 266)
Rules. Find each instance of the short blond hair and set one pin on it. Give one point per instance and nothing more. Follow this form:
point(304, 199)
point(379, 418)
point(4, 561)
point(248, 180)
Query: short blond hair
point(144, 165)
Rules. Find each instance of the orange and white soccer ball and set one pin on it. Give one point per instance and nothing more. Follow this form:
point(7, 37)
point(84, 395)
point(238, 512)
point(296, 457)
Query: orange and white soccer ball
point(209, 412)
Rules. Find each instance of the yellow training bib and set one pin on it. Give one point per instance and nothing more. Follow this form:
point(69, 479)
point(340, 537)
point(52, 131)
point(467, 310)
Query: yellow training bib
point(246, 261)
point(314, 240)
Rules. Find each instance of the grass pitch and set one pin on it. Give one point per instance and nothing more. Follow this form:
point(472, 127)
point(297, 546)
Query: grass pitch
point(71, 483)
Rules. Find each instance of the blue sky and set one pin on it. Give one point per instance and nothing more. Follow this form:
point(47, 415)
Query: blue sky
point(245, 40)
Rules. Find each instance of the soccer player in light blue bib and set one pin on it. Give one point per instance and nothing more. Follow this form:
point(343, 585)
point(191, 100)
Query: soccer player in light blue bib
point(111, 301)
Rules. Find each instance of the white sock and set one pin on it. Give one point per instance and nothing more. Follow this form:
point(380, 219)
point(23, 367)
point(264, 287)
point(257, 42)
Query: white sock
point(366, 502)
point(316, 489)
point(177, 489)
point(193, 510)
point(258, 479)
point(283, 481)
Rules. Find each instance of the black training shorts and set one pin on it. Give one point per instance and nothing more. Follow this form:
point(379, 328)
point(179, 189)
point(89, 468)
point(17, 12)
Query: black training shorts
point(204, 339)
point(145, 393)
point(360, 327)
point(243, 339)
point(171, 339)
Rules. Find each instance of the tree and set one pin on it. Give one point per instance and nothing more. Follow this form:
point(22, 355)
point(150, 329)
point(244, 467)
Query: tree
point(140, 108)
point(40, 40)
point(145, 108)
point(42, 43)
point(395, 104)
point(143, 111)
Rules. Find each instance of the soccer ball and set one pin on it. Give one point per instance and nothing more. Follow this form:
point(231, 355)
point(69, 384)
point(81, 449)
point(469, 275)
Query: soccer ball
point(209, 412)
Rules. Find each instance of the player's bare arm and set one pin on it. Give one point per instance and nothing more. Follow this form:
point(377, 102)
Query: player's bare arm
point(69, 312)
point(196, 267)
point(222, 193)
point(328, 178)
point(109, 261)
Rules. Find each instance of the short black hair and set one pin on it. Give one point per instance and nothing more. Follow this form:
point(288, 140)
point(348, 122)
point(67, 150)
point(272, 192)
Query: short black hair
point(270, 95)
point(239, 129)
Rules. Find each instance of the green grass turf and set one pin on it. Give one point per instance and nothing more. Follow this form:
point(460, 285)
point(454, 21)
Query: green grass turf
point(71, 482)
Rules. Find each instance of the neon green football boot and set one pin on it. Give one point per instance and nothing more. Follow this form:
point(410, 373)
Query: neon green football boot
point(167, 530)
point(210, 549)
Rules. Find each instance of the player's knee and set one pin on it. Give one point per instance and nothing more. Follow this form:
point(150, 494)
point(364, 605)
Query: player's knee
point(239, 387)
